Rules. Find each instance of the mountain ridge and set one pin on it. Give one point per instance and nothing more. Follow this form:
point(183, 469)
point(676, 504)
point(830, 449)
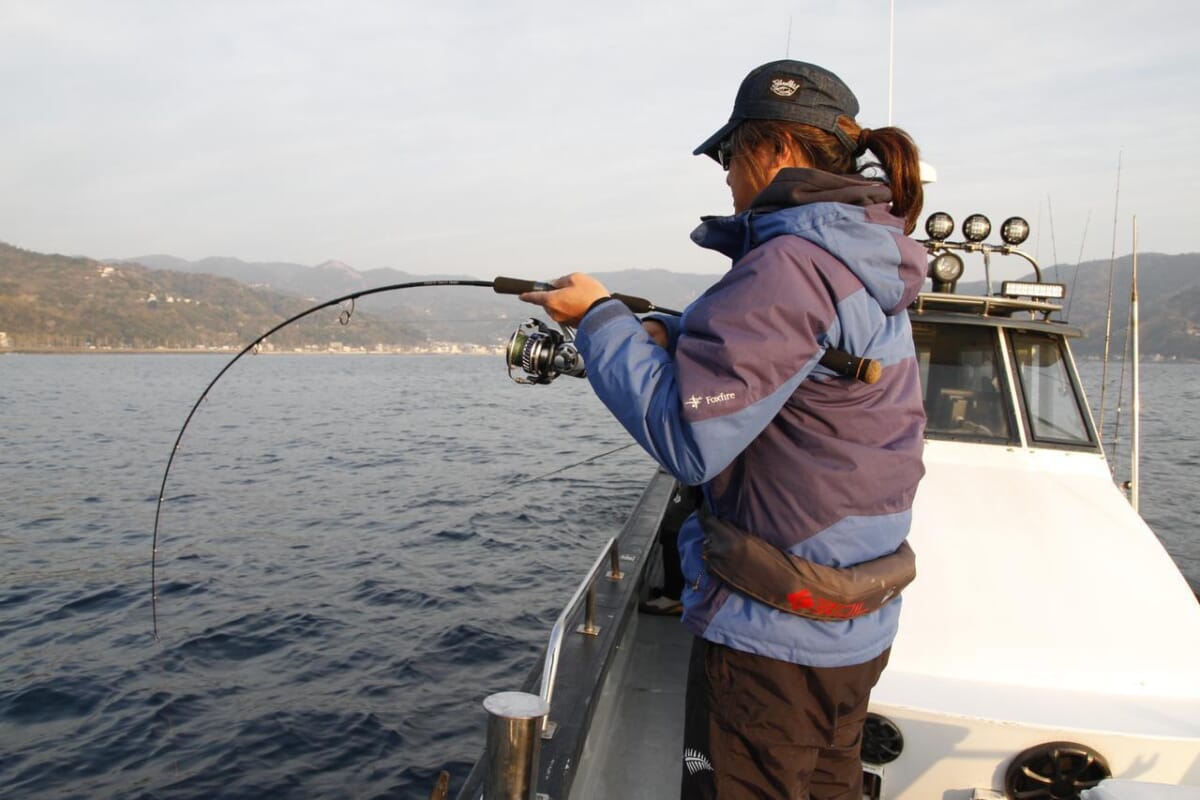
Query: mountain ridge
point(246, 298)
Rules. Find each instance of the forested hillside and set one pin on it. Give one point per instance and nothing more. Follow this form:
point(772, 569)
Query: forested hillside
point(52, 302)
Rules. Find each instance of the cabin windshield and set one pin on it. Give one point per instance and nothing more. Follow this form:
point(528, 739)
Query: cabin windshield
point(963, 384)
point(1053, 410)
point(969, 395)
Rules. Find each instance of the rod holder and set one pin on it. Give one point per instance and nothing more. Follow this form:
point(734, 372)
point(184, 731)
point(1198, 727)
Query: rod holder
point(513, 743)
point(588, 627)
point(614, 562)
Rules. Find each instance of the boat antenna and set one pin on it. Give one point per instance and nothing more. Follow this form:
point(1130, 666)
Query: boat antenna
point(1112, 267)
point(1136, 434)
point(1079, 258)
point(787, 46)
point(1053, 239)
point(891, 54)
point(1114, 452)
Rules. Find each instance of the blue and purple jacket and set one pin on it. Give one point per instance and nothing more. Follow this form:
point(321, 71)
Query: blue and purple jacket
point(818, 465)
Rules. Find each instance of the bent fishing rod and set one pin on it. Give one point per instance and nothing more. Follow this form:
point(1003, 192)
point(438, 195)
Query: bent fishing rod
point(534, 348)
point(499, 285)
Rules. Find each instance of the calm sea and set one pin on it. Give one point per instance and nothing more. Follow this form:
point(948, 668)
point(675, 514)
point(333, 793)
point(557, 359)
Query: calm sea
point(354, 552)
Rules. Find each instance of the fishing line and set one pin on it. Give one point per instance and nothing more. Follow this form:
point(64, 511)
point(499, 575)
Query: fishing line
point(509, 486)
point(499, 285)
point(344, 317)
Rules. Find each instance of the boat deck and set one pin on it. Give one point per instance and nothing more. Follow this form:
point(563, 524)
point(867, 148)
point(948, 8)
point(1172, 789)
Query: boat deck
point(638, 731)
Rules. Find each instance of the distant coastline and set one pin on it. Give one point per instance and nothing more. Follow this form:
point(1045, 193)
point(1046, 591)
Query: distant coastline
point(59, 304)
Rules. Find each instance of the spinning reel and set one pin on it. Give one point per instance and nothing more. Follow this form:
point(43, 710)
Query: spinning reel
point(542, 353)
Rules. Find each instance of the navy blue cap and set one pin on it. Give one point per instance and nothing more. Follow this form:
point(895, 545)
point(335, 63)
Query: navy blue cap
point(792, 91)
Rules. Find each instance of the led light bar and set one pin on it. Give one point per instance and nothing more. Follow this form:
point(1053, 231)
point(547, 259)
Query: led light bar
point(1041, 291)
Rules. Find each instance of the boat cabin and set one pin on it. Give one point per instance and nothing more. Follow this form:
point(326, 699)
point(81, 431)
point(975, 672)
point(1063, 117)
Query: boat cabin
point(996, 369)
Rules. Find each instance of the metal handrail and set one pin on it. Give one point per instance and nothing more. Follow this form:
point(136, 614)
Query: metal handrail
point(586, 586)
point(518, 721)
point(509, 766)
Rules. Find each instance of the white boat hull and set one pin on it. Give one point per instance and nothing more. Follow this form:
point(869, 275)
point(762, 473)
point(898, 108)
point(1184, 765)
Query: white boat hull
point(1044, 610)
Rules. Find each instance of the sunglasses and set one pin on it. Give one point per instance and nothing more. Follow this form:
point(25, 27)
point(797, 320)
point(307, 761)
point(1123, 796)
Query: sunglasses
point(725, 154)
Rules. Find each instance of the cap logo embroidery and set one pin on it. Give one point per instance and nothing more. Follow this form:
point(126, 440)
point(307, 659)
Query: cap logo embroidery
point(784, 88)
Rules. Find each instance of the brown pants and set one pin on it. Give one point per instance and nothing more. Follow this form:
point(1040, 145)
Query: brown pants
point(760, 728)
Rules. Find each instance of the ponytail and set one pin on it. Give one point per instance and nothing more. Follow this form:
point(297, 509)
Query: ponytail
point(900, 160)
point(895, 150)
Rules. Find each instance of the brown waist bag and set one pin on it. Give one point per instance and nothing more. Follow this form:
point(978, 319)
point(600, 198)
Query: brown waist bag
point(762, 571)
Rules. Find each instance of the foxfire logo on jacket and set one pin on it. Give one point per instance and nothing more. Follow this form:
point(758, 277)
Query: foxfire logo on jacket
point(695, 400)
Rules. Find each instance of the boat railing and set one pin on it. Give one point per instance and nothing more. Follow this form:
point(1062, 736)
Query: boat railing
point(517, 721)
point(587, 587)
point(520, 732)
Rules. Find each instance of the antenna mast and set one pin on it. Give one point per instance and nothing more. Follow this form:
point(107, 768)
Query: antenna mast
point(1112, 266)
point(891, 53)
point(1135, 444)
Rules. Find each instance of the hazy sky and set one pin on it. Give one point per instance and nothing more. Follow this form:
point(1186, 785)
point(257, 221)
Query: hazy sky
point(536, 138)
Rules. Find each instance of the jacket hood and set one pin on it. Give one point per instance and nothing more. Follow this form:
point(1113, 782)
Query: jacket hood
point(846, 216)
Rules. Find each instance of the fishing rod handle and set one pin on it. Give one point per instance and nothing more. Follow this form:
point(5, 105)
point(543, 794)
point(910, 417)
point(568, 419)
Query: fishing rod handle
point(519, 286)
point(637, 305)
point(867, 370)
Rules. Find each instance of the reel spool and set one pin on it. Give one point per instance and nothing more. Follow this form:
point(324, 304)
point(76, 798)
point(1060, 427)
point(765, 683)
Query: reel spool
point(542, 354)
